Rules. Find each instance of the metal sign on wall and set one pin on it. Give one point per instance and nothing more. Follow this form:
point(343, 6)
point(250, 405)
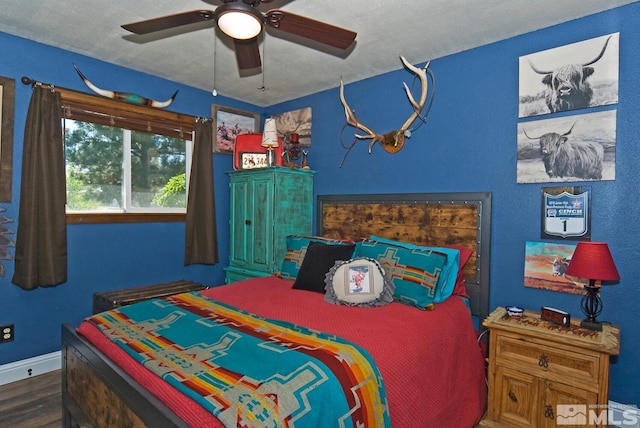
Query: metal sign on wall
point(566, 213)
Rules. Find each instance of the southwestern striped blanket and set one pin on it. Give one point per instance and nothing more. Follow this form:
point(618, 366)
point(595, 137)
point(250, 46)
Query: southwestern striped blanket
point(250, 371)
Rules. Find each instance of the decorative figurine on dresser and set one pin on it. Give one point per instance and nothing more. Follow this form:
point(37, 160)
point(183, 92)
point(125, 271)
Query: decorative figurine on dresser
point(267, 205)
point(546, 374)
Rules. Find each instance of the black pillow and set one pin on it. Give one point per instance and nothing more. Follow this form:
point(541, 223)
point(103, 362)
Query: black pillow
point(317, 262)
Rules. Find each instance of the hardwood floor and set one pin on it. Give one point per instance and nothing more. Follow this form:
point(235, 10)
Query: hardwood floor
point(32, 403)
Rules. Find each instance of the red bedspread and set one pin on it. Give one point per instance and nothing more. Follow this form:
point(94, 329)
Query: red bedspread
point(430, 361)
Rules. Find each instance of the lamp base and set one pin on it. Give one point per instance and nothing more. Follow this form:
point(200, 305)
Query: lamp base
point(591, 306)
point(271, 157)
point(591, 325)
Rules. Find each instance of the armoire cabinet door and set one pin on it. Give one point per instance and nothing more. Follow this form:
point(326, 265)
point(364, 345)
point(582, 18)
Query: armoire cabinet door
point(260, 225)
point(240, 215)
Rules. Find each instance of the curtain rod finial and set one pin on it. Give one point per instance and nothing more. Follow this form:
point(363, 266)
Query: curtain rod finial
point(27, 81)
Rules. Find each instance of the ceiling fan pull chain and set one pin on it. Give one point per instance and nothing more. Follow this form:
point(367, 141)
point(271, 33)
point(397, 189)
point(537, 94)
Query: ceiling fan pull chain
point(264, 59)
point(215, 53)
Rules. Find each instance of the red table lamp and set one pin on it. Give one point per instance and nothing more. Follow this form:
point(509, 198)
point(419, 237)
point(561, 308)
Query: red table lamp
point(592, 261)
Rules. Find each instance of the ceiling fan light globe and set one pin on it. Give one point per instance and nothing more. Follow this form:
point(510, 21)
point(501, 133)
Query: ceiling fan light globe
point(239, 23)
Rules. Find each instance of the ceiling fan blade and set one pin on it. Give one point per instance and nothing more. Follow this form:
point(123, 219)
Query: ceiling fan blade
point(247, 53)
point(310, 28)
point(169, 21)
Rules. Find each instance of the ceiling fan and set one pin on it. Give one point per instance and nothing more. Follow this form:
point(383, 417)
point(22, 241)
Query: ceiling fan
point(243, 22)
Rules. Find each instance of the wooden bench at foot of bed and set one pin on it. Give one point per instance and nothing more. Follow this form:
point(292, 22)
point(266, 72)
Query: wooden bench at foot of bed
point(107, 300)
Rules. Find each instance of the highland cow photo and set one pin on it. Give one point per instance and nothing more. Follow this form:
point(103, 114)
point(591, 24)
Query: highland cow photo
point(571, 77)
point(569, 148)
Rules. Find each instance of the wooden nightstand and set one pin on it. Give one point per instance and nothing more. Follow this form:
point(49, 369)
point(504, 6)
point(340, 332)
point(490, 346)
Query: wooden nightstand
point(535, 365)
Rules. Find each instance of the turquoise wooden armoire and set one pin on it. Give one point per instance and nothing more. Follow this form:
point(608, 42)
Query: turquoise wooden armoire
point(267, 205)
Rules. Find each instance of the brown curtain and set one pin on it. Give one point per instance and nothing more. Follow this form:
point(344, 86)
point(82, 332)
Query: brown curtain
point(201, 242)
point(41, 241)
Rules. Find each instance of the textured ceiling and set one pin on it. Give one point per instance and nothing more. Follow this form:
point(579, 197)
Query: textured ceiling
point(418, 29)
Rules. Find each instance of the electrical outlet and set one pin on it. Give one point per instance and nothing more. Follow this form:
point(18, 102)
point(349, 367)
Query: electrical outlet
point(6, 333)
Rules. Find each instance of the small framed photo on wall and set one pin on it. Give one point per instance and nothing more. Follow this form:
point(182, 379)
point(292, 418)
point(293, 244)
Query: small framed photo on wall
point(229, 123)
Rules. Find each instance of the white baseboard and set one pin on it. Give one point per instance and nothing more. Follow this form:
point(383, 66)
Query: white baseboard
point(23, 369)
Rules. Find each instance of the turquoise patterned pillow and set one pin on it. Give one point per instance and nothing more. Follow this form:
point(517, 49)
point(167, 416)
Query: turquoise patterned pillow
point(296, 250)
point(414, 272)
point(449, 275)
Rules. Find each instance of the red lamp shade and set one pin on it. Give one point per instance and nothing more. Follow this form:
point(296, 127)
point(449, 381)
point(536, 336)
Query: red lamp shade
point(592, 260)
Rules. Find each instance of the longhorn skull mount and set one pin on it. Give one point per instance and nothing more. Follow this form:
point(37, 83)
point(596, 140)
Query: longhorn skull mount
point(392, 141)
point(125, 96)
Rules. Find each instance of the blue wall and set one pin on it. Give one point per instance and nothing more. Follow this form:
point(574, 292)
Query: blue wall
point(467, 144)
point(100, 257)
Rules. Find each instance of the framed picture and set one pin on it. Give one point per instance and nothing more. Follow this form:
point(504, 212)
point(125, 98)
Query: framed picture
point(295, 121)
point(552, 80)
point(545, 267)
point(579, 147)
point(358, 280)
point(7, 97)
point(230, 123)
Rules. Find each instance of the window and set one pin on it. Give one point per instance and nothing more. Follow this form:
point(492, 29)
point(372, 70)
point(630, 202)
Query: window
point(111, 169)
point(124, 163)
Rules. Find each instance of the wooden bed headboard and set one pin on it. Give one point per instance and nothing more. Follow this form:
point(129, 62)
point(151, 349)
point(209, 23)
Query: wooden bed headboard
point(434, 219)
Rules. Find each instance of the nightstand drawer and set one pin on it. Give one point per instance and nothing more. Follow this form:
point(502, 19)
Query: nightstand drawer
point(548, 362)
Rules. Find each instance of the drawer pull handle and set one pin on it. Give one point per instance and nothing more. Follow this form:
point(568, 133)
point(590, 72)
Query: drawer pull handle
point(247, 222)
point(548, 412)
point(543, 361)
point(513, 397)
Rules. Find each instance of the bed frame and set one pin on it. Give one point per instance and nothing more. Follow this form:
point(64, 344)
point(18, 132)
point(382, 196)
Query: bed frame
point(433, 219)
point(97, 393)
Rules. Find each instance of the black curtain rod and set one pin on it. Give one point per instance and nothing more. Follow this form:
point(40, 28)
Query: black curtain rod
point(28, 81)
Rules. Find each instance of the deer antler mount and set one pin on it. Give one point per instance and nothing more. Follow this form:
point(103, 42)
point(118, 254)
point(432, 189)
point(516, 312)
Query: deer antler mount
point(392, 141)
